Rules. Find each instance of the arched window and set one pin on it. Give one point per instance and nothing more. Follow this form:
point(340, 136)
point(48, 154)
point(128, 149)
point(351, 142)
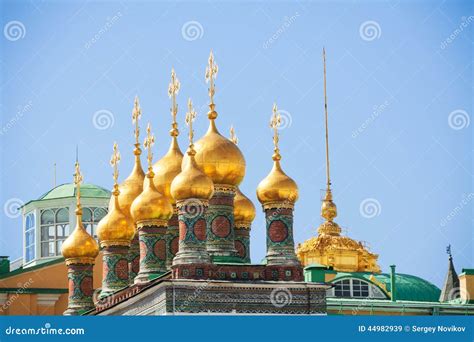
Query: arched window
point(355, 288)
point(54, 230)
point(30, 226)
point(91, 217)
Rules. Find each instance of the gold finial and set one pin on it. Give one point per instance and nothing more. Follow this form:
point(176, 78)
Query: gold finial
point(233, 136)
point(136, 115)
point(328, 179)
point(190, 116)
point(211, 74)
point(275, 123)
point(173, 90)
point(114, 163)
point(148, 143)
point(77, 183)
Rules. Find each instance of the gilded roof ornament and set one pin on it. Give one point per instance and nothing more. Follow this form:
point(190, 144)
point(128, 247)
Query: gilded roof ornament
point(136, 115)
point(233, 136)
point(114, 161)
point(148, 143)
point(173, 90)
point(275, 124)
point(211, 74)
point(77, 183)
point(190, 117)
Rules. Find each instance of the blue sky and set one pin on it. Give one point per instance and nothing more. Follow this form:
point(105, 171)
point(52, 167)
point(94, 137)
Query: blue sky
point(399, 90)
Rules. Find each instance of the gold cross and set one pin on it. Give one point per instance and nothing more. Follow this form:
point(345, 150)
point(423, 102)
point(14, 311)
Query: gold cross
point(148, 143)
point(190, 116)
point(173, 90)
point(77, 182)
point(233, 136)
point(275, 123)
point(211, 74)
point(114, 163)
point(136, 115)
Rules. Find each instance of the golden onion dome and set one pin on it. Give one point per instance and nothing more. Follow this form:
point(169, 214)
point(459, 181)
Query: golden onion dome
point(219, 158)
point(131, 187)
point(167, 168)
point(277, 187)
point(151, 204)
point(116, 227)
point(80, 244)
point(191, 182)
point(244, 210)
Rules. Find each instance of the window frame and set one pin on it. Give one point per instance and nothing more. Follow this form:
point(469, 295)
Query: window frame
point(344, 288)
point(30, 249)
point(91, 225)
point(57, 239)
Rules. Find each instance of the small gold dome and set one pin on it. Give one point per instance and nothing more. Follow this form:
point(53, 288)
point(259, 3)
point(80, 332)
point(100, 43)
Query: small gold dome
point(80, 244)
point(191, 182)
point(131, 187)
point(244, 210)
point(167, 168)
point(277, 187)
point(328, 209)
point(116, 226)
point(151, 204)
point(219, 158)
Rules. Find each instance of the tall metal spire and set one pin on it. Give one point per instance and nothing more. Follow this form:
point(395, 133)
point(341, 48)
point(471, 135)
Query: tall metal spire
point(328, 177)
point(328, 207)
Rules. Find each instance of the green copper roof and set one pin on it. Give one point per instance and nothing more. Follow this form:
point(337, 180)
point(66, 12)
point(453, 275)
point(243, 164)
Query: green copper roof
point(68, 190)
point(409, 287)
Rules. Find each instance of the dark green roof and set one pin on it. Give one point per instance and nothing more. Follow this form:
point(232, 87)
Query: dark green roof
point(468, 271)
point(409, 287)
point(68, 190)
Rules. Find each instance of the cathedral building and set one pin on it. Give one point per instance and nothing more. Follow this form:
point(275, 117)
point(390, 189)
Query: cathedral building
point(174, 238)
